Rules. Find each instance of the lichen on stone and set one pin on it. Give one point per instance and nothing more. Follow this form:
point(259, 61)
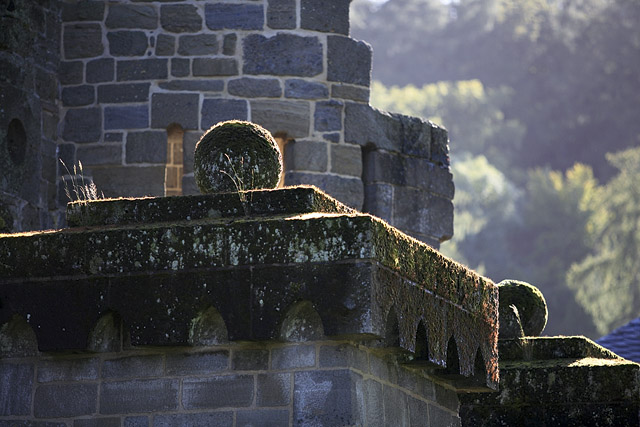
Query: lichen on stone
point(235, 156)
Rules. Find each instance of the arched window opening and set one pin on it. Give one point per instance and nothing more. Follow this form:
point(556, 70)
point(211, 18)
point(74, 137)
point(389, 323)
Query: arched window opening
point(174, 169)
point(282, 140)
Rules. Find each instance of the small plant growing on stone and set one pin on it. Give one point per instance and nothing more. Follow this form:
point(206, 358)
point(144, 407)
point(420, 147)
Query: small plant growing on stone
point(238, 182)
point(80, 189)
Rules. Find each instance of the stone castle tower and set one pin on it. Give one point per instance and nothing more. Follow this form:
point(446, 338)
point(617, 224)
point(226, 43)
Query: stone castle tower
point(127, 88)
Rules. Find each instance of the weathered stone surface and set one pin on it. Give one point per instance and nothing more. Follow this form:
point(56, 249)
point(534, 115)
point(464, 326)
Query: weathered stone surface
point(510, 323)
point(180, 67)
point(82, 41)
point(378, 201)
point(323, 398)
point(328, 116)
point(217, 392)
point(248, 87)
point(128, 181)
point(100, 70)
point(168, 108)
point(100, 154)
point(132, 367)
point(263, 417)
point(281, 14)
point(125, 92)
point(65, 400)
point(201, 44)
point(283, 54)
point(420, 211)
point(17, 384)
point(306, 155)
point(354, 93)
point(207, 85)
point(180, 18)
point(292, 357)
point(96, 422)
point(366, 125)
point(252, 359)
point(127, 43)
point(195, 420)
point(17, 339)
point(83, 11)
point(112, 136)
point(134, 396)
point(529, 302)
point(82, 125)
point(301, 323)
point(146, 147)
point(142, 69)
point(328, 17)
point(332, 137)
point(273, 389)
point(348, 61)
point(303, 89)
point(126, 117)
point(220, 16)
point(290, 117)
point(348, 190)
point(77, 96)
point(215, 67)
point(208, 328)
point(439, 145)
point(70, 72)
point(197, 363)
point(229, 44)
point(125, 15)
point(219, 110)
point(165, 45)
point(346, 159)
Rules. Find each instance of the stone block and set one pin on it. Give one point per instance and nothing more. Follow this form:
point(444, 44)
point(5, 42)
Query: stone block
point(229, 44)
point(132, 366)
point(416, 136)
point(332, 137)
point(17, 388)
point(291, 357)
point(396, 408)
point(346, 159)
point(281, 14)
point(248, 87)
point(218, 110)
point(290, 117)
point(97, 422)
point(127, 43)
point(439, 146)
point(328, 17)
point(221, 16)
point(135, 396)
point(129, 181)
point(140, 421)
point(180, 18)
point(328, 116)
point(365, 125)
point(46, 85)
point(263, 418)
point(180, 108)
point(447, 398)
point(201, 44)
point(82, 125)
point(197, 363)
point(383, 166)
point(113, 137)
point(273, 389)
point(100, 154)
point(126, 117)
point(125, 92)
point(65, 400)
point(251, 359)
point(83, 11)
point(68, 370)
point(125, 15)
point(78, 96)
point(419, 211)
point(204, 419)
point(70, 72)
point(306, 155)
point(82, 41)
point(50, 125)
point(180, 67)
point(323, 398)
point(189, 141)
point(419, 413)
point(146, 147)
point(303, 89)
point(335, 356)
point(348, 190)
point(283, 55)
point(207, 85)
point(142, 69)
point(378, 201)
point(441, 417)
point(165, 45)
point(211, 67)
point(348, 61)
point(373, 403)
point(354, 93)
point(100, 70)
point(218, 392)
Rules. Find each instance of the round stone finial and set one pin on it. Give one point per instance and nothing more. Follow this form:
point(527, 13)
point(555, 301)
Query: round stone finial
point(236, 156)
point(529, 302)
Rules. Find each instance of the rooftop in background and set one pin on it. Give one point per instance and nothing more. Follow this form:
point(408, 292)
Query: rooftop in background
point(624, 341)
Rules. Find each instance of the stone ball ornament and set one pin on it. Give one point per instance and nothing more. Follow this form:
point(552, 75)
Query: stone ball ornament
point(529, 302)
point(236, 156)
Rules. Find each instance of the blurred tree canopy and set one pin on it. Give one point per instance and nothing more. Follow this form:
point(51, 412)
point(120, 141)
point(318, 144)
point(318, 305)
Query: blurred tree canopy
point(535, 94)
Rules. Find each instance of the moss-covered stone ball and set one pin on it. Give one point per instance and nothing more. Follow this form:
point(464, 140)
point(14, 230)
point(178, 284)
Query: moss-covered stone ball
point(236, 156)
point(530, 303)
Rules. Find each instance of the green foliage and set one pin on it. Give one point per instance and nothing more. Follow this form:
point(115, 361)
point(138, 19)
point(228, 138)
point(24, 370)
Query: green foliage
point(612, 270)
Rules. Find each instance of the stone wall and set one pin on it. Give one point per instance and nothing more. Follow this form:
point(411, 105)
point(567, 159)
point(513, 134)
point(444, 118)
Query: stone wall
point(29, 45)
point(240, 384)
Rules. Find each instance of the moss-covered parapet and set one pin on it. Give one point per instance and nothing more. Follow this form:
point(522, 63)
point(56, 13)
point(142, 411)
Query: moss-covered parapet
point(360, 274)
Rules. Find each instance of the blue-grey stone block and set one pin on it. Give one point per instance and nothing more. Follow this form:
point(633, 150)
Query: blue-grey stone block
point(218, 110)
point(113, 137)
point(180, 108)
point(100, 154)
point(353, 93)
point(418, 413)
point(180, 18)
point(68, 370)
point(142, 69)
point(70, 72)
point(328, 116)
point(378, 201)
point(180, 67)
point(65, 400)
point(348, 61)
point(125, 15)
point(140, 421)
point(133, 366)
point(229, 44)
point(97, 422)
point(218, 392)
point(306, 155)
point(100, 70)
point(82, 41)
point(165, 45)
point(263, 418)
point(193, 85)
point(251, 359)
point(126, 117)
point(205, 419)
point(396, 408)
point(373, 403)
point(303, 89)
point(283, 54)
point(197, 363)
point(136, 396)
point(211, 67)
point(326, 16)
point(83, 11)
point(349, 191)
point(281, 14)
point(77, 96)
point(200, 44)
point(220, 16)
point(82, 125)
point(125, 92)
point(248, 87)
point(144, 147)
point(127, 43)
point(289, 117)
point(273, 389)
point(323, 398)
point(332, 137)
point(297, 356)
point(16, 389)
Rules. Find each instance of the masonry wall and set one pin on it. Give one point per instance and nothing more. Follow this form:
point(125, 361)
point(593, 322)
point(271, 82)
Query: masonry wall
point(314, 383)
